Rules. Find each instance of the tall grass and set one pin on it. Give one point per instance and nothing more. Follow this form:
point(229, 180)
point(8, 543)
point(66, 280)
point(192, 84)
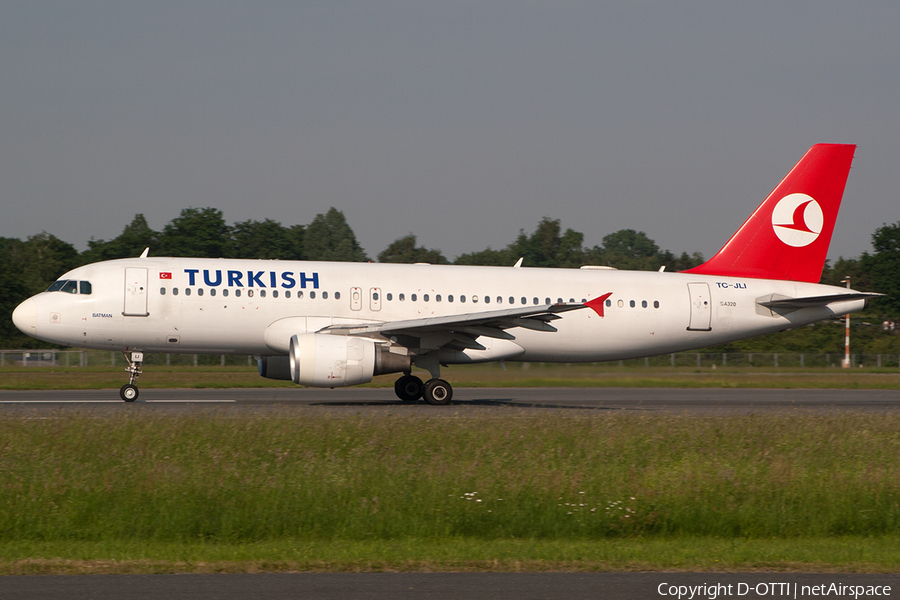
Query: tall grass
point(554, 476)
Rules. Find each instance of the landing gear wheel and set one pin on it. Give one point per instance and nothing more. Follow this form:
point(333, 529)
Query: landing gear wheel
point(438, 392)
point(128, 392)
point(409, 388)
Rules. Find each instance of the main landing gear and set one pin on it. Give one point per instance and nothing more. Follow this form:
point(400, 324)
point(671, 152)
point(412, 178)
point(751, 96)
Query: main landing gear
point(129, 391)
point(410, 388)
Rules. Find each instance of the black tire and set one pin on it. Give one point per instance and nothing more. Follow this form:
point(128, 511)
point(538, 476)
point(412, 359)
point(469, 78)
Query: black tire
point(128, 392)
point(438, 392)
point(409, 388)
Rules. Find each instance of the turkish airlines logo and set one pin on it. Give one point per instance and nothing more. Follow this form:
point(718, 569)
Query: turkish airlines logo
point(797, 220)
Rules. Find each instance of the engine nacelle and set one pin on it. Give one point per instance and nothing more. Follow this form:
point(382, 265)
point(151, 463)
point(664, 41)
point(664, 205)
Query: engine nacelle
point(322, 360)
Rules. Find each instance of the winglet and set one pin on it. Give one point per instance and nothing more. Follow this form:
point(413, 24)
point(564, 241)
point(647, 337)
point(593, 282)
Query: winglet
point(597, 303)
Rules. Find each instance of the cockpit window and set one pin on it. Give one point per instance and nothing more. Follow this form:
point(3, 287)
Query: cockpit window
point(70, 286)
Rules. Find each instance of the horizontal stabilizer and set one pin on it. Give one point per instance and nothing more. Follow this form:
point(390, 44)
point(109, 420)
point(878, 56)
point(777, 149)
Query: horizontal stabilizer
point(778, 301)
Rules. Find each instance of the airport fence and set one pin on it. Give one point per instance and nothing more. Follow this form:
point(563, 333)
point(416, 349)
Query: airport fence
point(708, 360)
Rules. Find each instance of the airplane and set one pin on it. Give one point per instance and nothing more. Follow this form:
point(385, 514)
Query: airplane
point(332, 324)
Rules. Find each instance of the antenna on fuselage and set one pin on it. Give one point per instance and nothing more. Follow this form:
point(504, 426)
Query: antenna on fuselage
point(145, 252)
point(518, 263)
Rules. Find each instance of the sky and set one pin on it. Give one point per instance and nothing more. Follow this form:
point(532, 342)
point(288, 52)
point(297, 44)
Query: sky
point(460, 122)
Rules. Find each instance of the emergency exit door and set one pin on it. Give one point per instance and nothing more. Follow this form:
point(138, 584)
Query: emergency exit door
point(135, 292)
point(701, 309)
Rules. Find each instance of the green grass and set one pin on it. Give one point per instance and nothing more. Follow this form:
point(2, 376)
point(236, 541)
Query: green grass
point(505, 492)
point(846, 554)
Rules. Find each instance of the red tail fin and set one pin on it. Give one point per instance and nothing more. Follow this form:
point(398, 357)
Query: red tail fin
point(787, 237)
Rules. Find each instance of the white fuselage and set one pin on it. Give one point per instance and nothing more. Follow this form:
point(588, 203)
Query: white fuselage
point(225, 306)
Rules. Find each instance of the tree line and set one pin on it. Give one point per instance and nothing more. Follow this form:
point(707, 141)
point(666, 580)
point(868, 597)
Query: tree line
point(29, 266)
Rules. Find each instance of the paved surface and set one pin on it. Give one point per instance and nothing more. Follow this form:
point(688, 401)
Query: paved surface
point(467, 401)
point(439, 586)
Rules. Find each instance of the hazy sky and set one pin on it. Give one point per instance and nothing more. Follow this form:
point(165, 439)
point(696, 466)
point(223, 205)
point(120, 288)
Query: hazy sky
point(460, 122)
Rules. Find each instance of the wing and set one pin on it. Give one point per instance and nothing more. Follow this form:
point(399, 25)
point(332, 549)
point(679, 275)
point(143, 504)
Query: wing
point(458, 332)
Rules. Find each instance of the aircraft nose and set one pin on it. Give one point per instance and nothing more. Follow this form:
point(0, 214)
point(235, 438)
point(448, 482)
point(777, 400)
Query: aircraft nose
point(25, 317)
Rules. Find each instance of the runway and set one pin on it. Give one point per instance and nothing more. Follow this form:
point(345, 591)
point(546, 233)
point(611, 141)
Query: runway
point(438, 586)
point(466, 401)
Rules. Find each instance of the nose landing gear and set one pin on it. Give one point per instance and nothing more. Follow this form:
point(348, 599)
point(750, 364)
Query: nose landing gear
point(129, 391)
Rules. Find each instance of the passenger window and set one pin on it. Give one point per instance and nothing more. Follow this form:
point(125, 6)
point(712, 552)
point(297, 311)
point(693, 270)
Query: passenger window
point(337, 296)
point(631, 304)
point(390, 296)
point(162, 291)
point(487, 299)
point(620, 303)
point(287, 294)
point(401, 297)
point(199, 291)
point(524, 300)
point(70, 287)
point(174, 291)
point(225, 292)
point(499, 300)
point(85, 287)
point(299, 295)
point(324, 295)
point(450, 298)
point(643, 304)
point(437, 298)
point(608, 302)
point(462, 298)
point(187, 291)
point(425, 297)
point(312, 295)
point(413, 297)
point(512, 300)
point(237, 293)
point(656, 304)
point(249, 293)
point(212, 292)
point(559, 301)
point(274, 293)
point(546, 300)
point(535, 300)
point(262, 293)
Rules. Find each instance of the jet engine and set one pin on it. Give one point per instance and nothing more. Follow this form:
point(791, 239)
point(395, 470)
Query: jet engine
point(322, 360)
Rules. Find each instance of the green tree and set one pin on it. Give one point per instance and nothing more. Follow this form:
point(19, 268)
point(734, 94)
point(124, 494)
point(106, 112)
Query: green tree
point(136, 236)
point(267, 239)
point(487, 258)
point(329, 237)
point(404, 250)
point(546, 247)
point(630, 249)
point(197, 232)
point(883, 267)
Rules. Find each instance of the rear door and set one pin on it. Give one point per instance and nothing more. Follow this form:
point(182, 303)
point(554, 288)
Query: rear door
point(135, 292)
point(701, 308)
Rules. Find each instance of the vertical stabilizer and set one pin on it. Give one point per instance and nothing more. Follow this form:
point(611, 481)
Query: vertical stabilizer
point(787, 237)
